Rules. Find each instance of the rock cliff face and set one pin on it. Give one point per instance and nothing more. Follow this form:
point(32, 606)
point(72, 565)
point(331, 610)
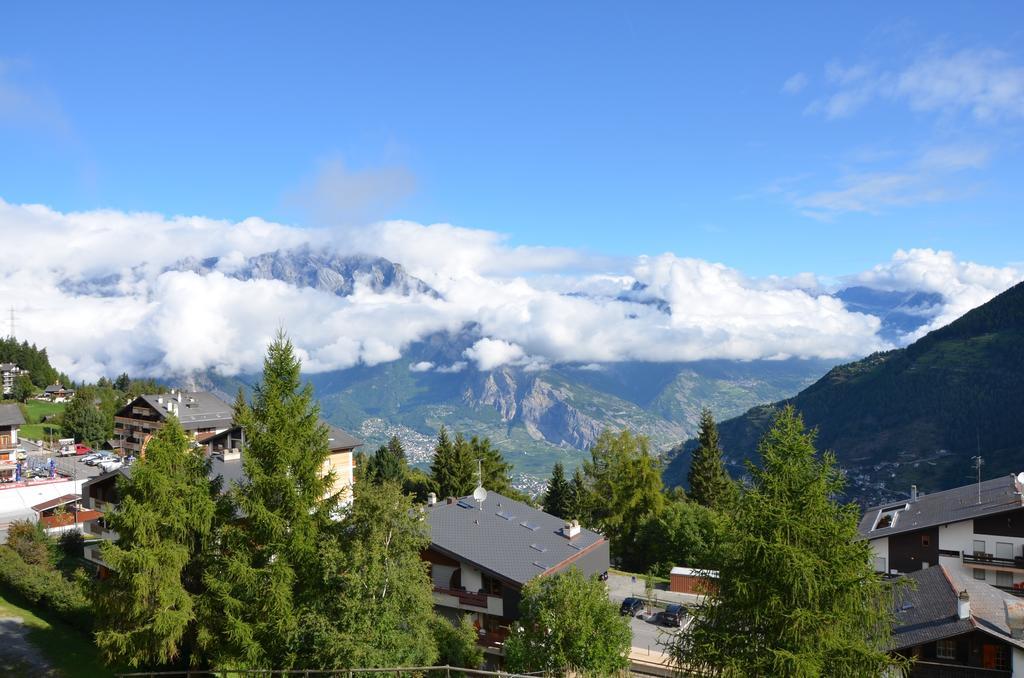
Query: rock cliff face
point(498, 391)
point(548, 414)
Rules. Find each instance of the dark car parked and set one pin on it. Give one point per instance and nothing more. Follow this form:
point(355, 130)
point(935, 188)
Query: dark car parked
point(631, 606)
point(673, 615)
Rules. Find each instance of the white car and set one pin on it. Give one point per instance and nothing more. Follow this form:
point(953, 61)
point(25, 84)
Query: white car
point(110, 465)
point(90, 457)
point(67, 451)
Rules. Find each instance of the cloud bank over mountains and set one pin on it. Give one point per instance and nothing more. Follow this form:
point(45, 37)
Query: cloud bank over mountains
point(105, 292)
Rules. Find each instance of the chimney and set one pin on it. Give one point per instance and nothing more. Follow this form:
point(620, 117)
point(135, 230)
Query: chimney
point(431, 499)
point(160, 400)
point(179, 396)
point(1015, 617)
point(450, 500)
point(963, 605)
point(571, 529)
point(913, 493)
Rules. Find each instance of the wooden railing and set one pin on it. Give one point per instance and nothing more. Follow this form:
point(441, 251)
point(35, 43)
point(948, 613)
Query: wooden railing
point(936, 670)
point(465, 597)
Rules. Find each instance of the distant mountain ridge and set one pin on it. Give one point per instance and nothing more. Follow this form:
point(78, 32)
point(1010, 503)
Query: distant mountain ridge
point(911, 415)
point(320, 269)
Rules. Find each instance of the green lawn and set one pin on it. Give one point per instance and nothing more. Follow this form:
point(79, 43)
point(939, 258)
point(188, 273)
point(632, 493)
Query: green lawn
point(40, 431)
point(68, 651)
point(37, 409)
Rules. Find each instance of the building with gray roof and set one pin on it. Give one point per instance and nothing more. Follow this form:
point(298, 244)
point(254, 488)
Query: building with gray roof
point(483, 553)
point(955, 625)
point(977, 529)
point(199, 412)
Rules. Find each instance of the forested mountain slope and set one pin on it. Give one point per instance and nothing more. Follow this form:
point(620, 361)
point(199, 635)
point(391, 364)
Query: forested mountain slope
point(913, 415)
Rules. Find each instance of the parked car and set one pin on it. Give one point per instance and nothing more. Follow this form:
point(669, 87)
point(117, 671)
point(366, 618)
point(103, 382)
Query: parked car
point(631, 606)
point(99, 458)
point(110, 465)
point(673, 615)
point(81, 449)
point(67, 451)
point(90, 457)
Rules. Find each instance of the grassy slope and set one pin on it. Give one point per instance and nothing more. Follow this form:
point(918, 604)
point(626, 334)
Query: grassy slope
point(66, 649)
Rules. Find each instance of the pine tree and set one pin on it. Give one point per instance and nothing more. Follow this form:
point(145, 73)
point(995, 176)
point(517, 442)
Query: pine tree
point(558, 498)
point(453, 469)
point(797, 594)
point(579, 504)
point(710, 484)
point(166, 521)
point(271, 556)
point(388, 463)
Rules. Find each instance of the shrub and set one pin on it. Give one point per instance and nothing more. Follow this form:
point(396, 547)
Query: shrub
point(43, 586)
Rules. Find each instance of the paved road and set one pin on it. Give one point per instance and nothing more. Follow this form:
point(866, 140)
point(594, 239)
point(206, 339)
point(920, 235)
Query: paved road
point(72, 467)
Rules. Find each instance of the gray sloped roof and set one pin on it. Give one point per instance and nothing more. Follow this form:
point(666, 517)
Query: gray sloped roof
point(504, 536)
point(197, 409)
point(960, 503)
point(10, 415)
point(341, 440)
point(929, 612)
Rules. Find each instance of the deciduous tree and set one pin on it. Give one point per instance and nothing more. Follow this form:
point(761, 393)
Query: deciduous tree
point(568, 624)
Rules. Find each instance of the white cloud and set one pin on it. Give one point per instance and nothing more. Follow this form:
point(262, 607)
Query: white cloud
point(986, 83)
point(528, 306)
point(963, 284)
point(795, 83)
point(422, 366)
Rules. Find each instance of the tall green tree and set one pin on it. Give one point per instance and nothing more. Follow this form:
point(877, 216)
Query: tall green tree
point(270, 567)
point(558, 498)
point(388, 463)
point(23, 388)
point(624, 490)
point(578, 497)
point(453, 469)
point(710, 484)
point(568, 624)
point(83, 421)
point(797, 592)
point(375, 607)
point(166, 521)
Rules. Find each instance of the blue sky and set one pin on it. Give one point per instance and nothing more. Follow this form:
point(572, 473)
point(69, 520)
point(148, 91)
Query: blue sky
point(776, 138)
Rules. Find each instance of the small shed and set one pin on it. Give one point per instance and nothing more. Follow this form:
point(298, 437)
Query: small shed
point(689, 580)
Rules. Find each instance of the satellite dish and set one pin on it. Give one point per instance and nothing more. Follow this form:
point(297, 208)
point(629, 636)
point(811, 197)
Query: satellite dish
point(480, 494)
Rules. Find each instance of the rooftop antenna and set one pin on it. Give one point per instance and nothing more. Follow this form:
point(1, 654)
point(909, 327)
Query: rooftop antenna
point(480, 494)
point(977, 465)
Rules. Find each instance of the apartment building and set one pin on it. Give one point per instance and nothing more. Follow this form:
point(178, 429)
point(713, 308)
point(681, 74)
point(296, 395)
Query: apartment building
point(11, 419)
point(8, 373)
point(977, 530)
point(201, 414)
point(483, 553)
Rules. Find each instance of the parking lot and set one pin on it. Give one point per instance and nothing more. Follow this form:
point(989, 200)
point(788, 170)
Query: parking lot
point(71, 467)
point(649, 635)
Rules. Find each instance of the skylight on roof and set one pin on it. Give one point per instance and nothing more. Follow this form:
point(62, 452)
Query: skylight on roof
point(887, 517)
point(538, 547)
point(530, 526)
point(540, 565)
point(506, 516)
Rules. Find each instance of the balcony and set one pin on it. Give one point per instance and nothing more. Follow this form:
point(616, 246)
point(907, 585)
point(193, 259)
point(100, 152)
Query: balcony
point(922, 669)
point(469, 601)
point(465, 597)
point(987, 561)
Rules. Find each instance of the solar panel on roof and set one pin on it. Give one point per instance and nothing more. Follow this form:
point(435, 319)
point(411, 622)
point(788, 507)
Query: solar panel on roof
point(464, 504)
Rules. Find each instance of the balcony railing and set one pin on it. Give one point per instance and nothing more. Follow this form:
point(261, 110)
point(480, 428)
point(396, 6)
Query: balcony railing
point(936, 670)
point(989, 560)
point(465, 597)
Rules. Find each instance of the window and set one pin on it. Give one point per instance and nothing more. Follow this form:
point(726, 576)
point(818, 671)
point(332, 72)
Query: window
point(880, 564)
point(979, 545)
point(926, 540)
point(1004, 579)
point(945, 649)
point(491, 586)
point(979, 574)
point(1002, 658)
point(1004, 550)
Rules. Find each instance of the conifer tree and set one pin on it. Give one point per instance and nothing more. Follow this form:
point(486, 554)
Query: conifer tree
point(797, 594)
point(710, 484)
point(270, 565)
point(147, 612)
point(579, 498)
point(558, 498)
point(453, 469)
point(388, 463)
